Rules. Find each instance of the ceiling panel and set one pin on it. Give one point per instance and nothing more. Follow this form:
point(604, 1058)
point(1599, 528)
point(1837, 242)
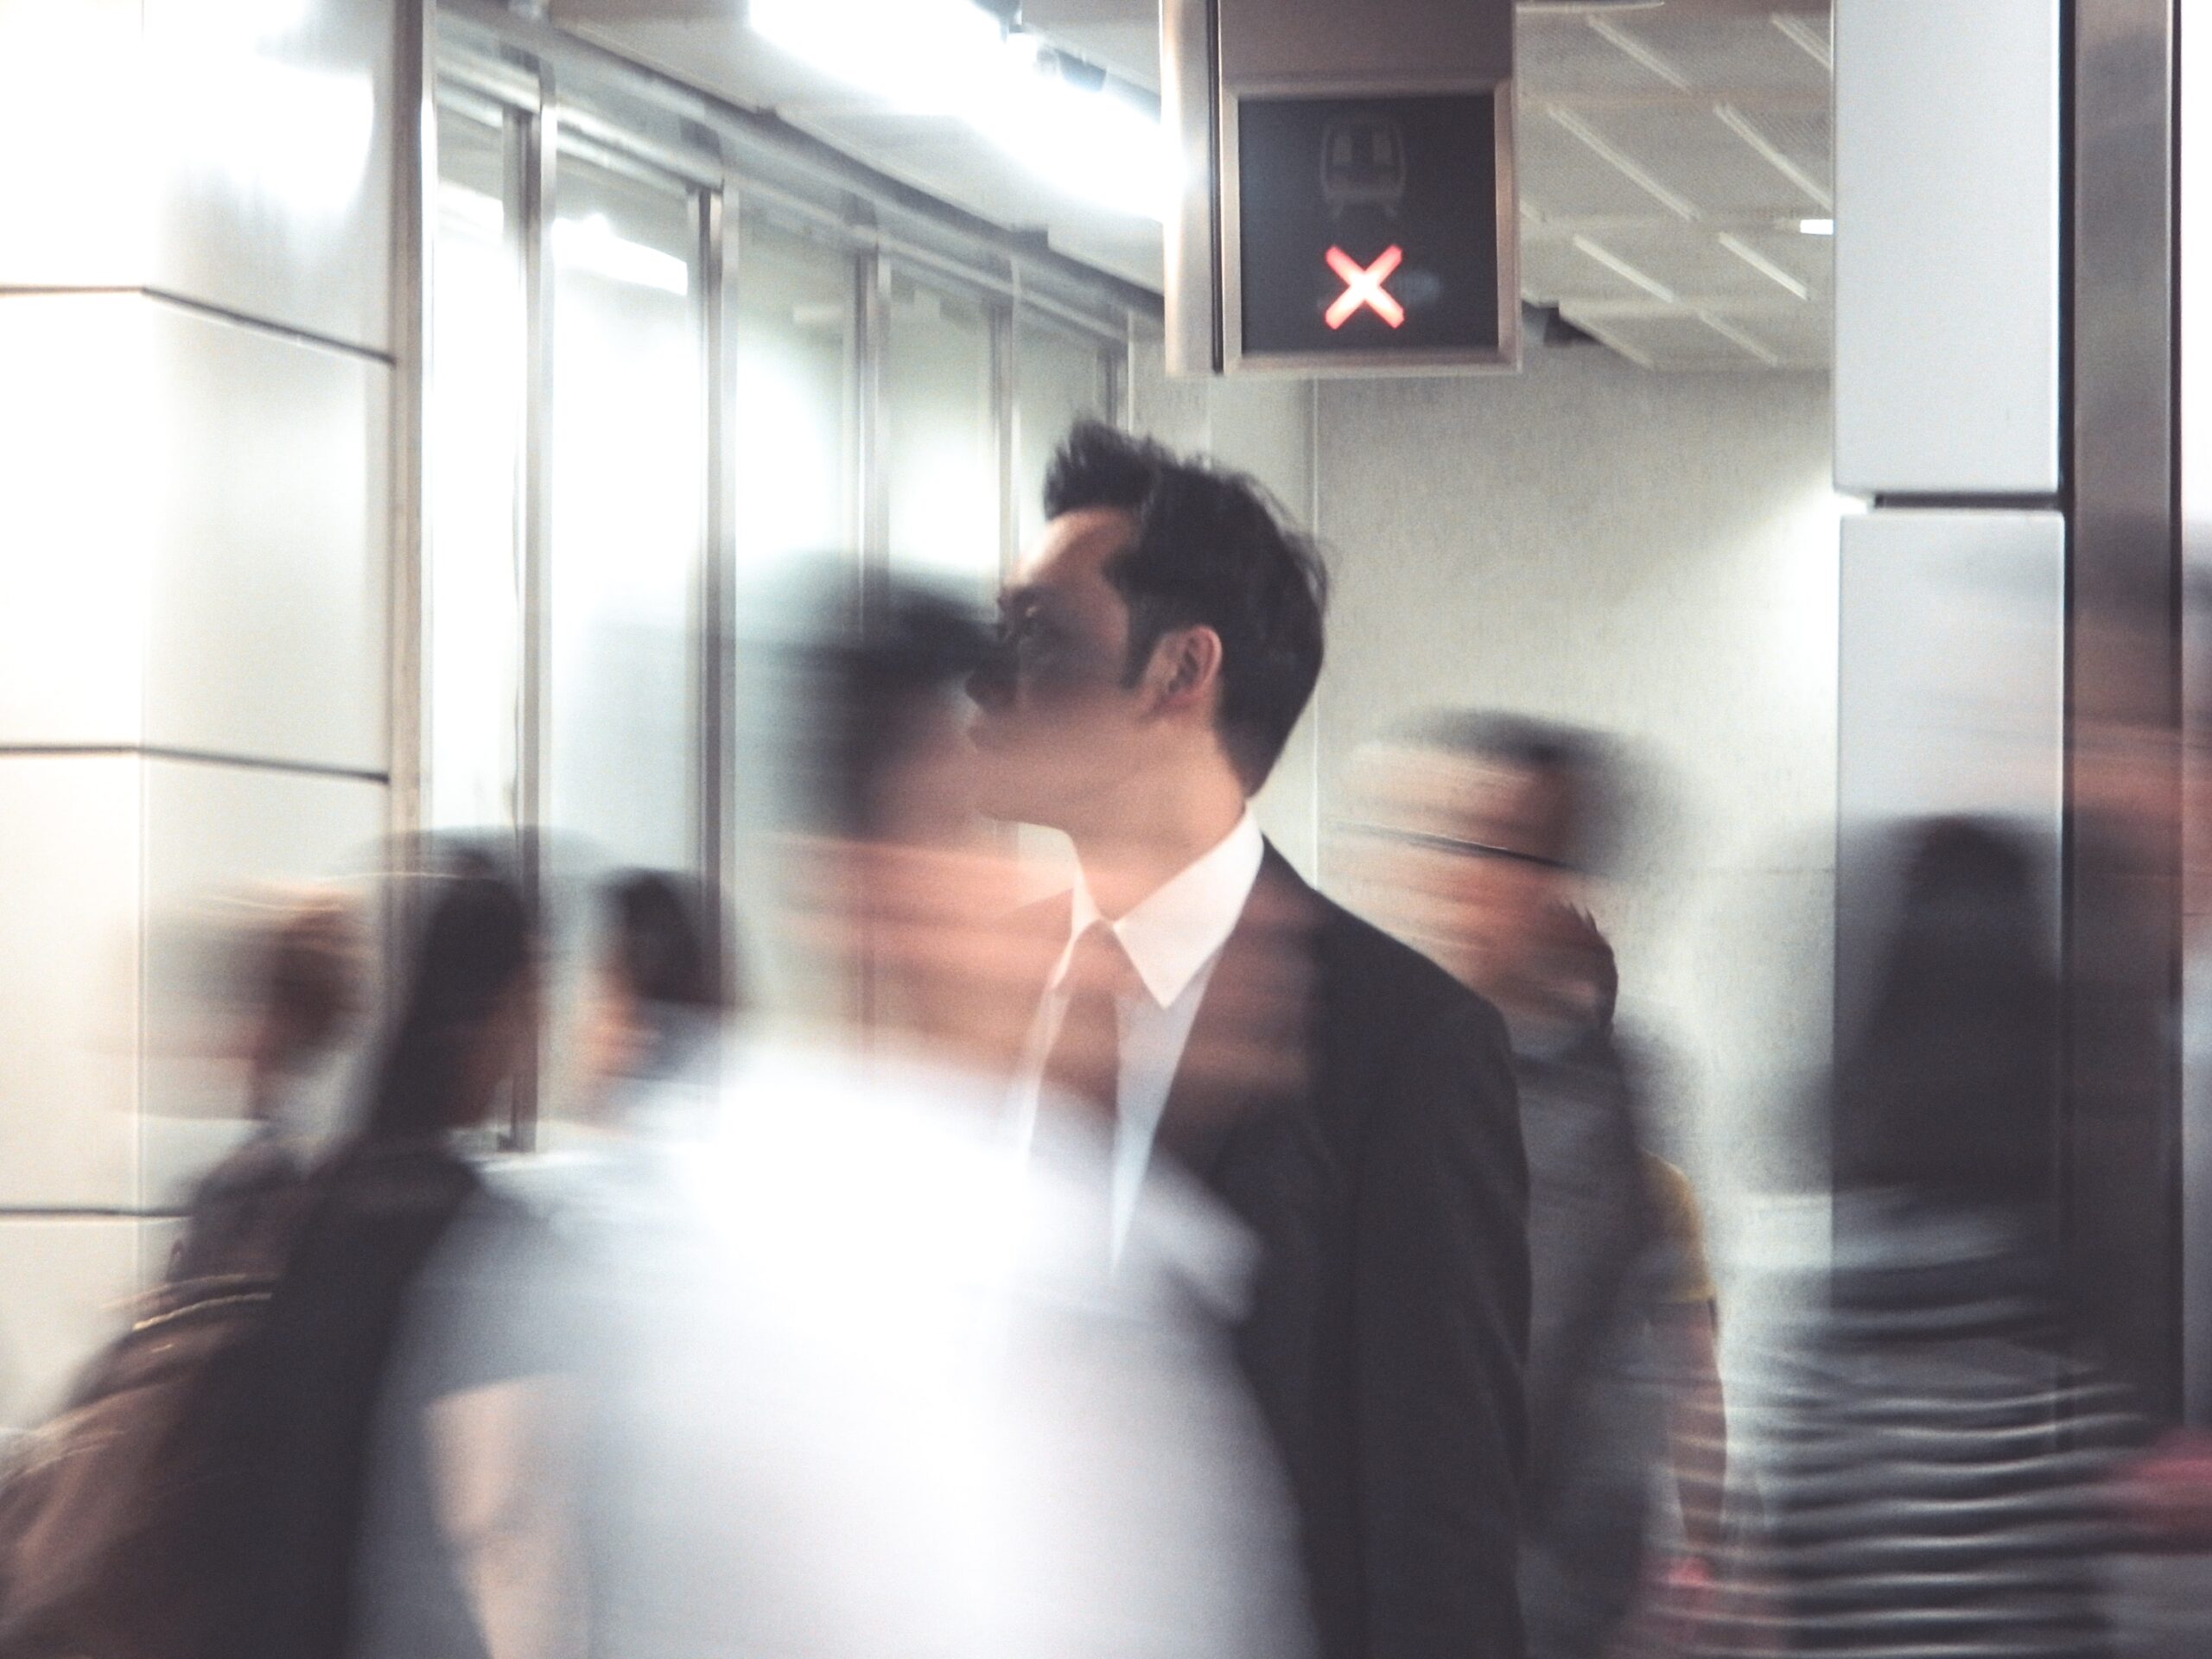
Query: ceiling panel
point(1663, 339)
point(1564, 57)
point(1554, 269)
point(1721, 56)
point(1564, 180)
point(1797, 140)
point(1692, 153)
point(1693, 264)
point(1810, 259)
point(1799, 337)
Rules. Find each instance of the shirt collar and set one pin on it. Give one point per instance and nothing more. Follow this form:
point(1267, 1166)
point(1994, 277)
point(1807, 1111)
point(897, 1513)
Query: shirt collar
point(1182, 925)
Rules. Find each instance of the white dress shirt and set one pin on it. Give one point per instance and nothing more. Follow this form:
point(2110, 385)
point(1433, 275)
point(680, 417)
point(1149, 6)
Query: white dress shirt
point(1174, 939)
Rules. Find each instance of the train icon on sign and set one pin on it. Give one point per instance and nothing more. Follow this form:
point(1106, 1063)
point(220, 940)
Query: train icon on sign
point(1362, 164)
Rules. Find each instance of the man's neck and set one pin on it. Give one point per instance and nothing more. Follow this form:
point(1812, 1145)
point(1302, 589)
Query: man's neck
point(1157, 832)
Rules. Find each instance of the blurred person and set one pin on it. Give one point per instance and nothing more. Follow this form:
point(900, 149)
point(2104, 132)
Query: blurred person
point(1937, 1452)
point(127, 1519)
point(1483, 831)
point(1682, 1305)
point(858, 1382)
point(902, 880)
point(302, 976)
point(659, 994)
point(1685, 1330)
point(1213, 1017)
point(355, 1432)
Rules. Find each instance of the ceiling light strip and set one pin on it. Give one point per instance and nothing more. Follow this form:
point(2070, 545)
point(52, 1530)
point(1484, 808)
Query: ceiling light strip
point(1625, 164)
point(1626, 43)
point(1808, 38)
point(1621, 268)
point(1765, 267)
point(1728, 332)
point(1739, 123)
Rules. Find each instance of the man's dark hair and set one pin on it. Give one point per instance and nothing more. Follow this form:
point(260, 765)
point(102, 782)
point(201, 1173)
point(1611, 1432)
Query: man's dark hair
point(1580, 768)
point(1211, 550)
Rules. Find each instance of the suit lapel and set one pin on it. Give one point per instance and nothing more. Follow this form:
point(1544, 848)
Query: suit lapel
point(1248, 1048)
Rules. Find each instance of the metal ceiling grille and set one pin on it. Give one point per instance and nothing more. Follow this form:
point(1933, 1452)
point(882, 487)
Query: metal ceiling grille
point(1666, 162)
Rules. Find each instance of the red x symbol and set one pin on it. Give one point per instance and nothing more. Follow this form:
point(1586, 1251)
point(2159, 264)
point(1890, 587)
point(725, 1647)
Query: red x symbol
point(1364, 287)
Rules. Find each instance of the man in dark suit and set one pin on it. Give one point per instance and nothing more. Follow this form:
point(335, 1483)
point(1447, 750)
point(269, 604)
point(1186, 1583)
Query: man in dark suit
point(1350, 1102)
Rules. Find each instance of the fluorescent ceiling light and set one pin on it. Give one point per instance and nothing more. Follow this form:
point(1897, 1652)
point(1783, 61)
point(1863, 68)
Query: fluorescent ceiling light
point(590, 244)
point(951, 59)
point(1816, 227)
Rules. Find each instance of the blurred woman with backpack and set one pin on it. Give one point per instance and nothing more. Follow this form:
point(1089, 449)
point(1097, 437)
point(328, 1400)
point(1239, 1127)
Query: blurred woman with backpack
point(347, 1420)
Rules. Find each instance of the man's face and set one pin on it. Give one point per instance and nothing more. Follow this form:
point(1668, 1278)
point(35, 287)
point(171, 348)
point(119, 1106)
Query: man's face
point(1057, 726)
point(1463, 868)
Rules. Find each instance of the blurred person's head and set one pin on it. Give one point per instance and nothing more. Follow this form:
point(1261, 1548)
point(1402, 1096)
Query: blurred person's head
point(661, 983)
point(1162, 637)
point(467, 1012)
point(1482, 830)
point(906, 875)
point(1950, 1086)
point(887, 763)
point(305, 977)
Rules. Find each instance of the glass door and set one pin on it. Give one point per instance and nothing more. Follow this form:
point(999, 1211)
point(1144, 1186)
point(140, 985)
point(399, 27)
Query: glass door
point(473, 548)
point(626, 529)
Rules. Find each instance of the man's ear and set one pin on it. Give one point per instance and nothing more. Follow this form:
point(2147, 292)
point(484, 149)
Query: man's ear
point(1186, 668)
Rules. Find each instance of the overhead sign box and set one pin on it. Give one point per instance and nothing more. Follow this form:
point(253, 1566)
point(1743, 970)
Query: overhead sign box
point(1328, 227)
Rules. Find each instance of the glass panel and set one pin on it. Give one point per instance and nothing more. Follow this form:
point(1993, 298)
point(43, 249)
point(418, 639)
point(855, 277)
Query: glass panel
point(472, 609)
point(795, 504)
point(1058, 379)
point(795, 494)
point(942, 439)
point(628, 516)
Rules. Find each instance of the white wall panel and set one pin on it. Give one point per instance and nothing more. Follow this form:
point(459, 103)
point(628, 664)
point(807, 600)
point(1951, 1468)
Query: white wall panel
point(69, 1003)
point(63, 1285)
point(1946, 245)
point(270, 144)
point(73, 512)
point(219, 837)
point(196, 518)
point(269, 502)
point(1951, 697)
point(68, 80)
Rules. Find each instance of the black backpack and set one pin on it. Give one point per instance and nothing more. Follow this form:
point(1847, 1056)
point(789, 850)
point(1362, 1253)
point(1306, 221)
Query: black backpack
point(128, 1522)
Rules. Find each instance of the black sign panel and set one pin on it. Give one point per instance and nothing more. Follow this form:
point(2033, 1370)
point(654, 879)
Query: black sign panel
point(1367, 226)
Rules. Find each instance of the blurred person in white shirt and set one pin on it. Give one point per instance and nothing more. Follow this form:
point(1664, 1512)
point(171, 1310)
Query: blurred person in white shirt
point(862, 1381)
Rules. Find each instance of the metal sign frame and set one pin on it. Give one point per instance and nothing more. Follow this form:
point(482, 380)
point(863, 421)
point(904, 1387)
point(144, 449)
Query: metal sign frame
point(1226, 196)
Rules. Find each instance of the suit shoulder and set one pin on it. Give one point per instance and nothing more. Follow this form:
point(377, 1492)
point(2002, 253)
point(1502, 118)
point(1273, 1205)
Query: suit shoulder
point(1371, 967)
